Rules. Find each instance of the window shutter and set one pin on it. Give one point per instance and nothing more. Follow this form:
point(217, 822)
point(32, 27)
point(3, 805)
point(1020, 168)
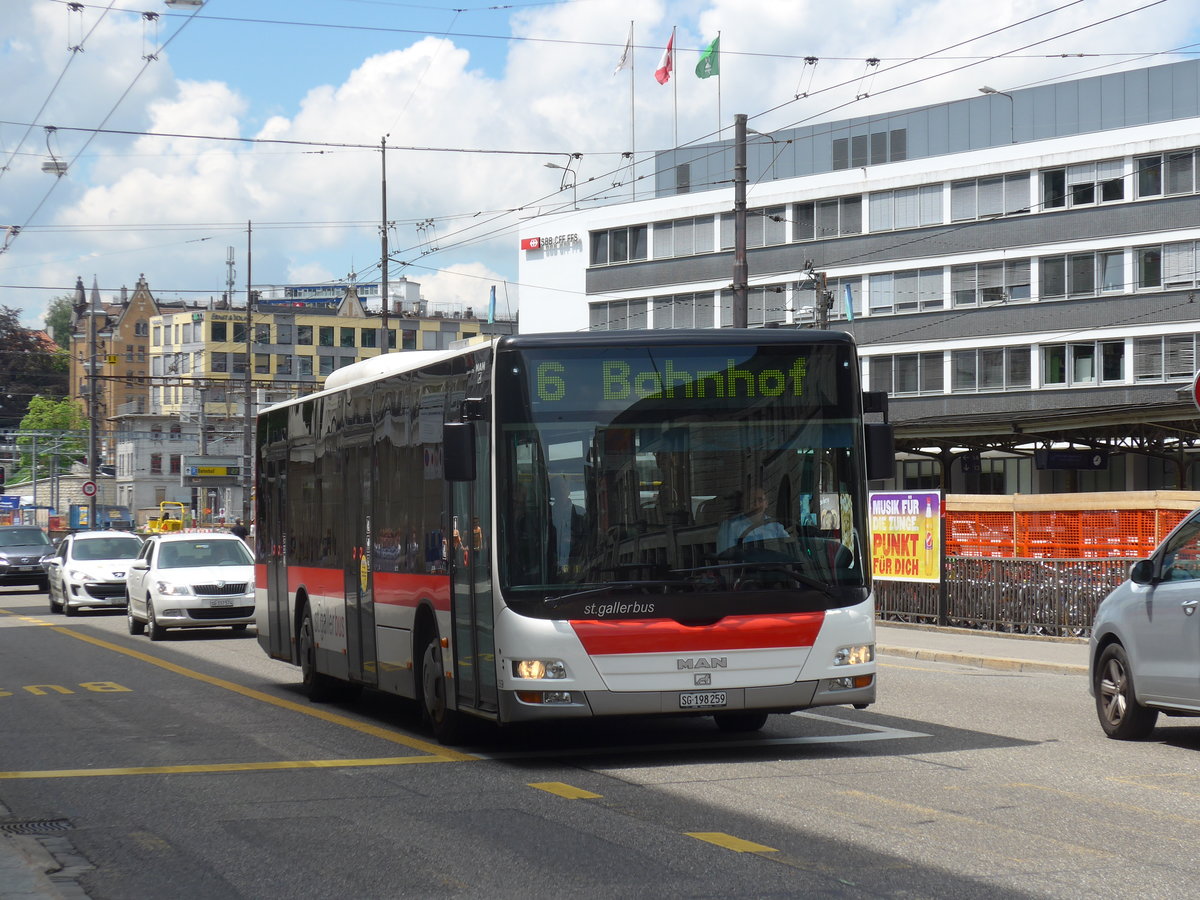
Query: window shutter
point(879, 207)
point(907, 209)
point(1179, 266)
point(931, 204)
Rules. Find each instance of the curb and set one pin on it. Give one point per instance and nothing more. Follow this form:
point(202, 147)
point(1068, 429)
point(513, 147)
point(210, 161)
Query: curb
point(984, 662)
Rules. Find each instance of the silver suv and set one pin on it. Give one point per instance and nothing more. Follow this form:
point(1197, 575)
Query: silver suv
point(1143, 656)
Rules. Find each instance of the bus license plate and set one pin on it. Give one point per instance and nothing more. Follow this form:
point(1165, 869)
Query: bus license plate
point(702, 700)
point(224, 601)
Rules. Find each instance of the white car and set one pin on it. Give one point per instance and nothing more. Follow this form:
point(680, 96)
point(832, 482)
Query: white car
point(88, 570)
point(190, 580)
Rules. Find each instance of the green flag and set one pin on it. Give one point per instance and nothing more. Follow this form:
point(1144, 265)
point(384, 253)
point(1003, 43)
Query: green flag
point(710, 60)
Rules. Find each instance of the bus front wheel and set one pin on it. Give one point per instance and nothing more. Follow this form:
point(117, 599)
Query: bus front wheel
point(740, 721)
point(445, 723)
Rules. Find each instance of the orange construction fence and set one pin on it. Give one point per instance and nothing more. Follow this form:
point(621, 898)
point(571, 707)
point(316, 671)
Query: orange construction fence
point(1064, 526)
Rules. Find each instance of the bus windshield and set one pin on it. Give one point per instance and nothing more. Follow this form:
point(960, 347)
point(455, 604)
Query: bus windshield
point(682, 481)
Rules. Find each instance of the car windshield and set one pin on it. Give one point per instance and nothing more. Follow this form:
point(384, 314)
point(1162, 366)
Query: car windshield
point(107, 548)
point(194, 554)
point(23, 537)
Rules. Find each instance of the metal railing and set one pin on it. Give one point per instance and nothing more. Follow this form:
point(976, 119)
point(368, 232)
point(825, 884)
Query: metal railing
point(1056, 597)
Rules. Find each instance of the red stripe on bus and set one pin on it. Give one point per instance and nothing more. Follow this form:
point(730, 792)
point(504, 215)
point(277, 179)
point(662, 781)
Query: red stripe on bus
point(668, 636)
point(391, 588)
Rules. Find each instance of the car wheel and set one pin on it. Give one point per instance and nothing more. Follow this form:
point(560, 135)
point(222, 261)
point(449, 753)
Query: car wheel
point(238, 629)
point(154, 631)
point(69, 609)
point(136, 626)
point(447, 725)
point(55, 606)
point(1121, 716)
point(319, 687)
point(740, 721)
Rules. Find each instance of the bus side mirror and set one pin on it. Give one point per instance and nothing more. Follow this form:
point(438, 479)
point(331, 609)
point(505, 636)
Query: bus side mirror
point(458, 451)
point(881, 450)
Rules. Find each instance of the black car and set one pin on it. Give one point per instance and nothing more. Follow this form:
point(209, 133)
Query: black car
point(22, 548)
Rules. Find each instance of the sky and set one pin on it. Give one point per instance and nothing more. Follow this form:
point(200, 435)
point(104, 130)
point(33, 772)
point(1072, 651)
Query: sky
point(256, 125)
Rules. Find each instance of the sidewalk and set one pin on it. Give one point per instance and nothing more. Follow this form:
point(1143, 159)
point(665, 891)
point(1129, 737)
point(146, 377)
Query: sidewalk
point(985, 649)
point(26, 867)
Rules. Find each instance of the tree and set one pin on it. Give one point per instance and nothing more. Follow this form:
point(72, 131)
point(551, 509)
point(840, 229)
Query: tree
point(58, 320)
point(62, 426)
point(28, 368)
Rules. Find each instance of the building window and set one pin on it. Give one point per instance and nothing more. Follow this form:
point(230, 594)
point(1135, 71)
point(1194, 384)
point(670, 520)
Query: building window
point(1083, 362)
point(141, 328)
point(409, 340)
point(908, 373)
point(764, 305)
point(219, 331)
point(156, 432)
point(977, 284)
point(176, 432)
point(987, 198)
point(304, 365)
point(239, 364)
point(325, 335)
point(262, 363)
point(1080, 274)
point(325, 366)
point(283, 333)
point(992, 369)
point(262, 334)
point(219, 362)
point(1083, 184)
point(765, 227)
point(347, 337)
point(908, 208)
point(683, 311)
point(155, 463)
point(368, 338)
point(239, 332)
point(870, 149)
point(283, 364)
point(176, 463)
point(156, 340)
point(619, 245)
point(619, 315)
point(683, 237)
point(304, 335)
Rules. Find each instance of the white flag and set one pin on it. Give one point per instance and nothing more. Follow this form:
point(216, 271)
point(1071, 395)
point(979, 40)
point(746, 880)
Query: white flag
point(623, 62)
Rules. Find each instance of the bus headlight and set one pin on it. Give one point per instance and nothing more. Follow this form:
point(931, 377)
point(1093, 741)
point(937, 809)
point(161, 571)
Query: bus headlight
point(854, 655)
point(539, 668)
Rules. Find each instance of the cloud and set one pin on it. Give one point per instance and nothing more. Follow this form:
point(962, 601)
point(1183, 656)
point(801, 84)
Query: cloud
point(169, 207)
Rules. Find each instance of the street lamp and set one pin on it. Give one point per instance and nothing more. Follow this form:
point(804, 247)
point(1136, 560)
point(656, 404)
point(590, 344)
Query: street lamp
point(567, 170)
point(1012, 131)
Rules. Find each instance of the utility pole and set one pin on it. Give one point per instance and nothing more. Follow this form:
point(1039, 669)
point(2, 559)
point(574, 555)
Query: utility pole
point(822, 301)
point(741, 276)
point(81, 306)
point(247, 408)
point(383, 259)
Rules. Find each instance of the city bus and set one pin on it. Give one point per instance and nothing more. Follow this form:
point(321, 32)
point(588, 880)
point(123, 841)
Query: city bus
point(564, 526)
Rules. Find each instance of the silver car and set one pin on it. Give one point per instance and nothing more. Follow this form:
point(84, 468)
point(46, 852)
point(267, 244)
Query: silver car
point(88, 570)
point(1144, 648)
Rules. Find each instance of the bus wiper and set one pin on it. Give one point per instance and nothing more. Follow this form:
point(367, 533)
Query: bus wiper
point(784, 567)
point(553, 602)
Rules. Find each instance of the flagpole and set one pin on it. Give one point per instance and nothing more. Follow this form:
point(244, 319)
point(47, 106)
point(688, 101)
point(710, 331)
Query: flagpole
point(632, 119)
point(675, 50)
point(720, 121)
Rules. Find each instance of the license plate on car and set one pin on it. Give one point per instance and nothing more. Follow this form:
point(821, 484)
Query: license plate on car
point(223, 601)
point(702, 700)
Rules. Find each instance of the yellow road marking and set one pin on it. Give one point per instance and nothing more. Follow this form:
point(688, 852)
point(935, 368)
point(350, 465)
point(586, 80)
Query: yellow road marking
point(437, 752)
point(564, 790)
point(1116, 804)
point(729, 842)
point(203, 768)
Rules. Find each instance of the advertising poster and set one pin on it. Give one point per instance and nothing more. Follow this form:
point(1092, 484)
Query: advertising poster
point(906, 535)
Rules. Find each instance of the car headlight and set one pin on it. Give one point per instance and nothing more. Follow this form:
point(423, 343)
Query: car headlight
point(854, 655)
point(170, 589)
point(79, 574)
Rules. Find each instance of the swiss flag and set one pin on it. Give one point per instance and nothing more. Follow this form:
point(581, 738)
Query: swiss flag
point(531, 243)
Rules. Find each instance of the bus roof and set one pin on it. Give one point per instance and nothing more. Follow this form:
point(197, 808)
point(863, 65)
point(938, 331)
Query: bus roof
point(384, 365)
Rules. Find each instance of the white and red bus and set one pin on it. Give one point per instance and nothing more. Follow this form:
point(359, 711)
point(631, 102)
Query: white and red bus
point(558, 526)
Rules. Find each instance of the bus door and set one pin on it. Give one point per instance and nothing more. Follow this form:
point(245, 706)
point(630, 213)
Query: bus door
point(471, 568)
point(270, 536)
point(359, 575)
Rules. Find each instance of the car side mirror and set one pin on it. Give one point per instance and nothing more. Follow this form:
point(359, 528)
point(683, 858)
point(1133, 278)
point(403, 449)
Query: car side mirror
point(52, 561)
point(141, 565)
point(1142, 571)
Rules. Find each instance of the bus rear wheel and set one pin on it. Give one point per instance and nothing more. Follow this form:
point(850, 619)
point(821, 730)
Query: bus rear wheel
point(319, 687)
point(446, 724)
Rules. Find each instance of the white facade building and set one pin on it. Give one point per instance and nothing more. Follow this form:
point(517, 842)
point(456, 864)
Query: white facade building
point(1018, 269)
